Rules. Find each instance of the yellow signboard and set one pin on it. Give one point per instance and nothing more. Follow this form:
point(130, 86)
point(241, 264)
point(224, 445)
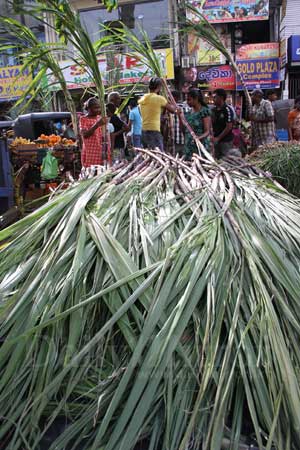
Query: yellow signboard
point(14, 81)
point(130, 70)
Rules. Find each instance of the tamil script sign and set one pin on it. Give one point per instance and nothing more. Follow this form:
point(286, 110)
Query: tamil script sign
point(14, 81)
point(125, 69)
point(213, 78)
point(221, 11)
point(259, 65)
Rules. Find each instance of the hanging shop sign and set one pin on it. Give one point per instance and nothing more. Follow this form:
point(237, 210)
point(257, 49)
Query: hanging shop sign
point(14, 81)
point(221, 11)
point(283, 53)
point(115, 69)
point(211, 78)
point(259, 65)
point(294, 50)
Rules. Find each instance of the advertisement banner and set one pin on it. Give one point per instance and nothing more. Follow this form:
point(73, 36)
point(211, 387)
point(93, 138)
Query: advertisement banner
point(222, 11)
point(125, 70)
point(13, 82)
point(259, 73)
point(259, 65)
point(258, 51)
point(206, 54)
point(213, 78)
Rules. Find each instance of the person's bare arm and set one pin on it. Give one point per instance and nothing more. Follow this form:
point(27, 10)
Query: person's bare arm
point(206, 126)
point(97, 124)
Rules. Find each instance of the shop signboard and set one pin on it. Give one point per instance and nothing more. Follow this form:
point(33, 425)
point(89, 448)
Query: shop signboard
point(259, 73)
point(127, 69)
point(259, 65)
point(283, 53)
point(14, 81)
point(212, 78)
point(258, 51)
point(222, 11)
point(294, 50)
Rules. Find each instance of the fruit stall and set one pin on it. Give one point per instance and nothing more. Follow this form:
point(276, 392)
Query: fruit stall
point(41, 164)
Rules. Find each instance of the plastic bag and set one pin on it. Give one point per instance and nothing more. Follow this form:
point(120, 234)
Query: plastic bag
point(49, 167)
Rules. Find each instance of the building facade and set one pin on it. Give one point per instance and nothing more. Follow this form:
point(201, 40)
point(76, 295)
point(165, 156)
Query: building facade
point(261, 35)
point(12, 80)
point(290, 47)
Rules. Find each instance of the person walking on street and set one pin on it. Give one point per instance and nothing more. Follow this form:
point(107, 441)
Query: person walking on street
point(222, 120)
point(91, 133)
point(199, 120)
point(294, 121)
point(262, 118)
point(135, 123)
point(151, 107)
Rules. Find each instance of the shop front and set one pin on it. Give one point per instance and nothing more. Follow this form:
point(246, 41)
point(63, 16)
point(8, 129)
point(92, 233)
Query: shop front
point(294, 65)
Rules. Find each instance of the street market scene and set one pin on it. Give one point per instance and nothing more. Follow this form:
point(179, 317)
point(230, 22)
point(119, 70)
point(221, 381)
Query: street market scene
point(149, 225)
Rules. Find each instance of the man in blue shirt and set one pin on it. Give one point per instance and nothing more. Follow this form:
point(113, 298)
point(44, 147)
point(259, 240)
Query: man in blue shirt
point(135, 122)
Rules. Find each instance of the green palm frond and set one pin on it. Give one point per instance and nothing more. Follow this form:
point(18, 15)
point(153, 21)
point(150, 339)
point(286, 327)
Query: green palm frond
point(154, 306)
point(135, 45)
point(40, 58)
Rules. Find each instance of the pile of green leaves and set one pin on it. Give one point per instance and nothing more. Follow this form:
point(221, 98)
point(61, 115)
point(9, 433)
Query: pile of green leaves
point(282, 160)
point(157, 303)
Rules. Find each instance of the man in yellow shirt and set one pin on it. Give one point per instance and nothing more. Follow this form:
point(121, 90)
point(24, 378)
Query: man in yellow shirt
point(151, 106)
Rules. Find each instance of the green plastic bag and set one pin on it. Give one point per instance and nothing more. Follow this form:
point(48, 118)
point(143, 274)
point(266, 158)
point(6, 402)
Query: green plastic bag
point(49, 167)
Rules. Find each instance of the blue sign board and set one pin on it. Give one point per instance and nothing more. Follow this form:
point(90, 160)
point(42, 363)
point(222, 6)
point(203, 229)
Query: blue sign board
point(294, 49)
point(259, 73)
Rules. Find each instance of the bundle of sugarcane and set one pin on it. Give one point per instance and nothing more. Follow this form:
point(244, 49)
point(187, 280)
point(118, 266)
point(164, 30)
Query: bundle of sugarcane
point(282, 160)
point(158, 305)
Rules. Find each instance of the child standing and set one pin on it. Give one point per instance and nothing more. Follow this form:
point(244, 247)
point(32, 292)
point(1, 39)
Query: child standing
point(90, 130)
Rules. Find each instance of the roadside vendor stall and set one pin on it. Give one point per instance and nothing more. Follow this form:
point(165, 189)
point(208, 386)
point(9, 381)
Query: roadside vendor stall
point(39, 141)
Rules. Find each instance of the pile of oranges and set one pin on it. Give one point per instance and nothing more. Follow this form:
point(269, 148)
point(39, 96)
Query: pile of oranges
point(53, 140)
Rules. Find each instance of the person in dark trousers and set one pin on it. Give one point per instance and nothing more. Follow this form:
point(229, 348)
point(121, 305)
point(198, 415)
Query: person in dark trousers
point(151, 106)
point(117, 137)
point(222, 120)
